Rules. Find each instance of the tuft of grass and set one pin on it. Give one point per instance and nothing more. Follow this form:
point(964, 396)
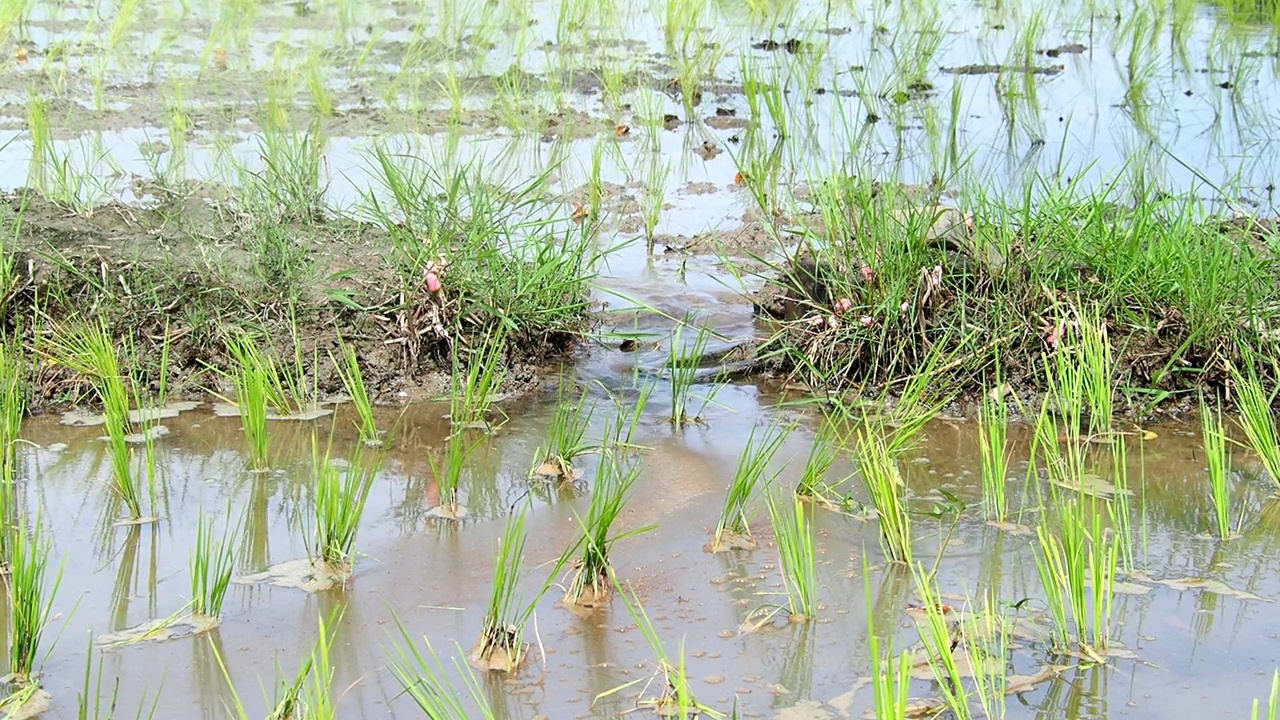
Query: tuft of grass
point(341, 491)
point(89, 700)
point(794, 535)
point(878, 466)
point(501, 644)
point(615, 476)
point(424, 679)
point(993, 434)
point(1256, 420)
point(211, 564)
point(353, 382)
point(986, 638)
point(30, 598)
point(1219, 467)
point(753, 463)
point(308, 694)
point(259, 386)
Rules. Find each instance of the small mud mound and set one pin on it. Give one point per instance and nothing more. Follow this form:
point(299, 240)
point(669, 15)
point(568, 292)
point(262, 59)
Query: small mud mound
point(161, 630)
point(302, 574)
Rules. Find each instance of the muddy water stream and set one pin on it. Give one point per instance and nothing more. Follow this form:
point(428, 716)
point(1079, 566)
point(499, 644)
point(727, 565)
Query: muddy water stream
point(1189, 653)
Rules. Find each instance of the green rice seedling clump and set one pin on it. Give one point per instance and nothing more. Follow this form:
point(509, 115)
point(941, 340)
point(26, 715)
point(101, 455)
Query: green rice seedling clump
point(733, 527)
point(591, 582)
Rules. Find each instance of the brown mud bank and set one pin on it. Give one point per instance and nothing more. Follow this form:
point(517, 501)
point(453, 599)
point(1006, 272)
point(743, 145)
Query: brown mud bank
point(192, 269)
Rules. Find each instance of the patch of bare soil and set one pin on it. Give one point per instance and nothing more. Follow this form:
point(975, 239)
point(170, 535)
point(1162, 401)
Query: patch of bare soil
point(192, 267)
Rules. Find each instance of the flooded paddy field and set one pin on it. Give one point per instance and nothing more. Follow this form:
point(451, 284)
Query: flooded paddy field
point(506, 359)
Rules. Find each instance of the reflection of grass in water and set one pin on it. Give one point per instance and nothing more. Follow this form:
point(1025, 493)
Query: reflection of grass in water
point(890, 674)
point(940, 638)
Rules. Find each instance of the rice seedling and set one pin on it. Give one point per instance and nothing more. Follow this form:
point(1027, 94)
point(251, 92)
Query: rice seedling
point(30, 598)
point(822, 455)
point(307, 694)
point(1098, 367)
point(615, 476)
point(423, 677)
point(89, 349)
point(13, 403)
point(353, 382)
point(1219, 467)
point(341, 491)
point(565, 435)
point(993, 432)
point(211, 564)
point(655, 190)
point(1077, 564)
point(475, 386)
point(682, 368)
point(317, 700)
point(675, 698)
point(794, 536)
point(446, 473)
point(940, 637)
point(986, 641)
point(733, 528)
point(259, 388)
point(1273, 701)
point(878, 467)
point(1256, 420)
point(501, 643)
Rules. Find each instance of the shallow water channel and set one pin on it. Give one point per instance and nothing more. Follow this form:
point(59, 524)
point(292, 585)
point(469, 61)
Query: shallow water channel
point(1183, 648)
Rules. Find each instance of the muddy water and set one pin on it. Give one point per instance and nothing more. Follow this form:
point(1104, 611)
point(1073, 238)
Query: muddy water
point(1194, 652)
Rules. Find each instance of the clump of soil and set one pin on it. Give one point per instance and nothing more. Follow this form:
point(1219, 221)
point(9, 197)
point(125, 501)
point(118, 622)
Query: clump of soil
point(498, 651)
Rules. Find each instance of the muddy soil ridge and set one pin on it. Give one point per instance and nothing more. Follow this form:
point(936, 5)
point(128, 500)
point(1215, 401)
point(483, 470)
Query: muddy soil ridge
point(192, 268)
